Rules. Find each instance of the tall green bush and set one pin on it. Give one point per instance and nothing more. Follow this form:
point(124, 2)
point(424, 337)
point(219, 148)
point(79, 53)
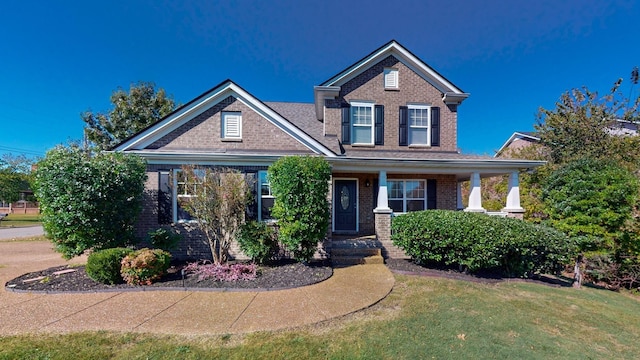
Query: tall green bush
point(300, 185)
point(593, 199)
point(481, 242)
point(89, 202)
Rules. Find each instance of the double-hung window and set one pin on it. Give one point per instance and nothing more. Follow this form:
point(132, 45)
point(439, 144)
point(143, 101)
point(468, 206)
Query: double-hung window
point(419, 125)
point(266, 199)
point(362, 123)
point(186, 188)
point(407, 195)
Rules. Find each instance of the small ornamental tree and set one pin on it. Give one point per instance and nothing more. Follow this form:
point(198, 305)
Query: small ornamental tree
point(89, 202)
point(300, 185)
point(217, 204)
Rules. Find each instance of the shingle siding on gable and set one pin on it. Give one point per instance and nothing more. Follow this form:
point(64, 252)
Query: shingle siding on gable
point(412, 89)
point(204, 133)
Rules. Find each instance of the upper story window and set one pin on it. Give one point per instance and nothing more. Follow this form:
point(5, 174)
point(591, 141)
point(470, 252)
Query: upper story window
point(419, 125)
point(407, 195)
point(390, 78)
point(266, 199)
point(362, 123)
point(232, 125)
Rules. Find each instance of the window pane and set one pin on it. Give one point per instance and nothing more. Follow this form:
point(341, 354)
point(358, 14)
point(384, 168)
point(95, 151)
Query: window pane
point(396, 206)
point(394, 189)
point(362, 115)
point(418, 136)
point(362, 135)
point(418, 117)
point(415, 189)
point(267, 204)
point(415, 205)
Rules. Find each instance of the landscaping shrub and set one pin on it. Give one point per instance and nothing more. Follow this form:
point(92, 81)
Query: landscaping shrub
point(258, 241)
point(222, 272)
point(163, 239)
point(480, 242)
point(145, 266)
point(104, 266)
point(300, 185)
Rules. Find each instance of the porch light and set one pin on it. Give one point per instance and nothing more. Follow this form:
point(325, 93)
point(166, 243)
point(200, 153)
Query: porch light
point(367, 183)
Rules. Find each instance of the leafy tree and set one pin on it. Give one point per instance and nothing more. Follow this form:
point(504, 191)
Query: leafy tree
point(15, 174)
point(218, 201)
point(89, 203)
point(132, 112)
point(593, 199)
point(300, 185)
point(582, 122)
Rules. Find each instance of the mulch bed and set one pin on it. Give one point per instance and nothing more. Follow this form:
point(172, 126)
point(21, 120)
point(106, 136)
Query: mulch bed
point(281, 275)
point(409, 267)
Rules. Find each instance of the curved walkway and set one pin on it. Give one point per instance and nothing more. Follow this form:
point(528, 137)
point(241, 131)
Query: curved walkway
point(178, 312)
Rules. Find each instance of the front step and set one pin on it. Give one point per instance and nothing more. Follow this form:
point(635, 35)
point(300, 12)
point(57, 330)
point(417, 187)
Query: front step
point(355, 253)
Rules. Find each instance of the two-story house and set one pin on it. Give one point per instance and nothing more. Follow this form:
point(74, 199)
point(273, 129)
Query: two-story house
point(387, 125)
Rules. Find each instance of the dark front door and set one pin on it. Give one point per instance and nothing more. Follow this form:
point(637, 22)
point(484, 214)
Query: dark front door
point(345, 201)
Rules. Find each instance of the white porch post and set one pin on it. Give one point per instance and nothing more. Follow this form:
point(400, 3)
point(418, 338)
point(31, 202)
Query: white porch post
point(513, 196)
point(475, 194)
point(383, 197)
point(459, 205)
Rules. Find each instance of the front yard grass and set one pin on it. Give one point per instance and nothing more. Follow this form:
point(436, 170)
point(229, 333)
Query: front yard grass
point(20, 220)
point(422, 318)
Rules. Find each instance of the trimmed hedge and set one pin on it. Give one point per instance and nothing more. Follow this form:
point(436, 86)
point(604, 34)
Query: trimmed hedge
point(258, 241)
point(104, 266)
point(480, 242)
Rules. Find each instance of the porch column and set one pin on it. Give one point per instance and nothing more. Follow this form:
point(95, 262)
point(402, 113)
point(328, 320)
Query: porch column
point(459, 205)
point(475, 194)
point(513, 208)
point(383, 197)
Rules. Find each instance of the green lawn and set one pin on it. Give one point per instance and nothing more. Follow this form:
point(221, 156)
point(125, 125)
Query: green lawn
point(20, 220)
point(421, 318)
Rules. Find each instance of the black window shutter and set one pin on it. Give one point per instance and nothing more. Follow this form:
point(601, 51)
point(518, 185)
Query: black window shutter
point(346, 125)
point(376, 189)
point(435, 126)
point(379, 124)
point(431, 194)
point(404, 126)
point(165, 206)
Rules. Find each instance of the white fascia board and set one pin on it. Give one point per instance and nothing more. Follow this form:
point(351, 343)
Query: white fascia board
point(408, 59)
point(180, 158)
point(215, 96)
point(512, 138)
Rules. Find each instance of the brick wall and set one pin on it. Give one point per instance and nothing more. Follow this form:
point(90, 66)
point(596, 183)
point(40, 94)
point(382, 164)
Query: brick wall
point(368, 86)
point(205, 132)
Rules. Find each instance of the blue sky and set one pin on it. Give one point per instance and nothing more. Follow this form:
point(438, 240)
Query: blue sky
point(60, 58)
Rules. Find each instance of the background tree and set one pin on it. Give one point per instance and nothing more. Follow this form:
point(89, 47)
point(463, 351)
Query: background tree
point(217, 204)
point(300, 185)
point(89, 202)
point(132, 112)
point(15, 175)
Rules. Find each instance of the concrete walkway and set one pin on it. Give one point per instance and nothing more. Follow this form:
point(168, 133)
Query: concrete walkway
point(178, 312)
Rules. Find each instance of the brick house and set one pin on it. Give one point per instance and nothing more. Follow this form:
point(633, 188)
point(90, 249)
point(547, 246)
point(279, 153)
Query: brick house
point(387, 125)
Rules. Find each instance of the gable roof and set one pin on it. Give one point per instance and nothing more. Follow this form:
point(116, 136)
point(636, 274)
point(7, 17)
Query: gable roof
point(451, 93)
point(527, 135)
point(205, 101)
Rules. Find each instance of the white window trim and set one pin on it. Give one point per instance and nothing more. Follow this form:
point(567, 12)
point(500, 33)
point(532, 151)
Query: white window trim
point(391, 78)
point(225, 128)
point(260, 196)
point(428, 126)
point(175, 196)
point(370, 105)
point(404, 193)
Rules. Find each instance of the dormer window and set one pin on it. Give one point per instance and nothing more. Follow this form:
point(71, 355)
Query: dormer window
point(391, 78)
point(231, 126)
